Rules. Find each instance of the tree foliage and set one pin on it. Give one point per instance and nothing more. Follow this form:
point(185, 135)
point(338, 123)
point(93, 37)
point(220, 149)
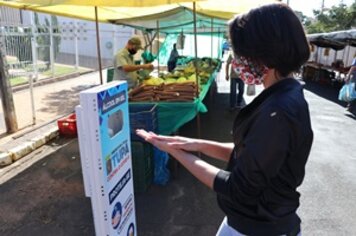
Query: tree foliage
point(340, 17)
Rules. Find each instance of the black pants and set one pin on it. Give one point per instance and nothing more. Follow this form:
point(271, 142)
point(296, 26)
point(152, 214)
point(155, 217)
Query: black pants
point(236, 101)
point(171, 65)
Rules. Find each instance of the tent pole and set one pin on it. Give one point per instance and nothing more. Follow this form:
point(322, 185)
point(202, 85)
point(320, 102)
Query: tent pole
point(196, 63)
point(151, 40)
point(98, 44)
point(218, 47)
point(212, 38)
point(158, 46)
point(146, 38)
point(316, 54)
point(348, 53)
point(195, 47)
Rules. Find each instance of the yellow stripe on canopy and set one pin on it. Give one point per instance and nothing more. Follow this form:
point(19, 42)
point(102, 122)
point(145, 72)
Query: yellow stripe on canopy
point(226, 9)
point(105, 14)
point(105, 3)
point(218, 9)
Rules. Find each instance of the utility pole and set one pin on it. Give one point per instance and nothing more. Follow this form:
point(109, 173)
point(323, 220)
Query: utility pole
point(6, 96)
point(322, 6)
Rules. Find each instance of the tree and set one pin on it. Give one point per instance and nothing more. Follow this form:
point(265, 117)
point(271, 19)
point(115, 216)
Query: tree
point(303, 18)
point(336, 18)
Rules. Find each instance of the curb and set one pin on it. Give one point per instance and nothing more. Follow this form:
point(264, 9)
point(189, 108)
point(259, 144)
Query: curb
point(11, 155)
point(5, 159)
point(50, 80)
point(16, 153)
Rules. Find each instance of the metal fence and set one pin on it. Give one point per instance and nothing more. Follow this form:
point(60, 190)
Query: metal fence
point(35, 51)
point(40, 51)
point(16, 42)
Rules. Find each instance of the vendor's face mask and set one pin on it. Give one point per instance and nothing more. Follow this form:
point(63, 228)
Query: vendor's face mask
point(132, 51)
point(249, 72)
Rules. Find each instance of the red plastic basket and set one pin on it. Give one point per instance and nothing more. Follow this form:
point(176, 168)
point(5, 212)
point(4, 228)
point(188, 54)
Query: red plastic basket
point(68, 125)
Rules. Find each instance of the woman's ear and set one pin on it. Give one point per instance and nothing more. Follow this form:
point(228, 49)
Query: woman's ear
point(270, 75)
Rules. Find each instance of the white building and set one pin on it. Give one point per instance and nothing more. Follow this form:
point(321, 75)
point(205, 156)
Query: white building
point(75, 36)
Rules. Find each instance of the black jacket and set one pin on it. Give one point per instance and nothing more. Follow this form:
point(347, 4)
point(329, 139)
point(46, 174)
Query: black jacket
point(273, 138)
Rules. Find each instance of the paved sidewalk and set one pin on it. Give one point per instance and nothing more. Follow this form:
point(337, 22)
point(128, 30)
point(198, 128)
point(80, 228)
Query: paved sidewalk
point(49, 197)
point(52, 101)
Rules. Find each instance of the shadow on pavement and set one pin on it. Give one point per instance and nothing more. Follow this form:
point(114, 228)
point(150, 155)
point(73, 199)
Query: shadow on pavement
point(352, 115)
point(48, 198)
point(185, 206)
point(62, 102)
point(329, 93)
point(325, 91)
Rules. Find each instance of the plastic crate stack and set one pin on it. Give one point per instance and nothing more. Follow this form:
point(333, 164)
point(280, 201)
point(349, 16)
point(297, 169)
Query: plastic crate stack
point(142, 116)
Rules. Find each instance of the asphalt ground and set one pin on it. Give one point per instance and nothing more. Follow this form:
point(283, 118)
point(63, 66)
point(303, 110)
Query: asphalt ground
point(48, 198)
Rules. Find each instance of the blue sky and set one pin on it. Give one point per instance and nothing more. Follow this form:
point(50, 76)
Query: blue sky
point(307, 6)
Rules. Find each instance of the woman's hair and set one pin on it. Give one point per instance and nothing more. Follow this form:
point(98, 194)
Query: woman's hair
point(271, 35)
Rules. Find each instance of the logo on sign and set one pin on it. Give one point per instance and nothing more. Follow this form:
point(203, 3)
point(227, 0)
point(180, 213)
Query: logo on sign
point(118, 158)
point(131, 230)
point(116, 215)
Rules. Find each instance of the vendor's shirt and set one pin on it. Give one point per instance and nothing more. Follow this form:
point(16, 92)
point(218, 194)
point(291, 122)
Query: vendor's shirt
point(174, 56)
point(123, 57)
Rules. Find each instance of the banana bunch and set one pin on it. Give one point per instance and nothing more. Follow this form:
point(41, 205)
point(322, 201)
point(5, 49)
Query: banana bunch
point(153, 81)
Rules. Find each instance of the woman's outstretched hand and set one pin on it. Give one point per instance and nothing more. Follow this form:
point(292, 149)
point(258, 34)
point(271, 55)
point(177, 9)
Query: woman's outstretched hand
point(169, 143)
point(154, 140)
point(177, 147)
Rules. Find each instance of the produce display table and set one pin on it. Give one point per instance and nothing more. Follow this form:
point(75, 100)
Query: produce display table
point(173, 115)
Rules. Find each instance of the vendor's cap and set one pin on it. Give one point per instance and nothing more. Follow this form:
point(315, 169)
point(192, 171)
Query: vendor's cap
point(136, 41)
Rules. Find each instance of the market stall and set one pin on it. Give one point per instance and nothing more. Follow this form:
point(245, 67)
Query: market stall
point(334, 72)
point(184, 99)
point(177, 102)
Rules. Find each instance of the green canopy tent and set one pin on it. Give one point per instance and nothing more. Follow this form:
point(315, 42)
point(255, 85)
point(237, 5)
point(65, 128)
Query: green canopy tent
point(97, 10)
point(173, 17)
point(193, 18)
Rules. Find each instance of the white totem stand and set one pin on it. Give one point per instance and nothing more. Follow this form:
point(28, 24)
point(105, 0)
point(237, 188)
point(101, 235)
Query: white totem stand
point(105, 151)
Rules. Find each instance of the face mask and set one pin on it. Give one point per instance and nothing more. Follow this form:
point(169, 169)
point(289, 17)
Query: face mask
point(132, 51)
point(249, 72)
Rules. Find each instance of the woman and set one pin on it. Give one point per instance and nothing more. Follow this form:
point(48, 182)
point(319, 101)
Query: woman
point(351, 78)
point(236, 102)
point(272, 135)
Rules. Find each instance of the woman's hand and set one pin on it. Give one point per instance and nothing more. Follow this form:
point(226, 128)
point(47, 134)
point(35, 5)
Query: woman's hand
point(202, 170)
point(168, 143)
point(183, 143)
point(155, 140)
point(175, 145)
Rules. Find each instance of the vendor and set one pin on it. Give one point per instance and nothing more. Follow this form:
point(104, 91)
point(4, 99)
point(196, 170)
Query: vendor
point(173, 58)
point(125, 68)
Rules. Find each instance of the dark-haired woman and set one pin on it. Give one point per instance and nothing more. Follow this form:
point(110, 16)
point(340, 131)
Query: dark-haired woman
point(272, 136)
